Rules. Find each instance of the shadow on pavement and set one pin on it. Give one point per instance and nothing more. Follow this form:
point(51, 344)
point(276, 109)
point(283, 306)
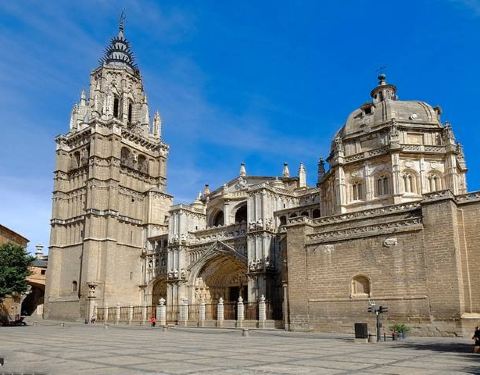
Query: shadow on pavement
point(448, 347)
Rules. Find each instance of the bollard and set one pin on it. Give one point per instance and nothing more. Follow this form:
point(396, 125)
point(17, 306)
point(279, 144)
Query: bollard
point(164, 328)
point(62, 324)
point(245, 332)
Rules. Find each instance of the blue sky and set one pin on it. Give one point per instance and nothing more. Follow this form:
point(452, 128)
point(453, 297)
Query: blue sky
point(257, 81)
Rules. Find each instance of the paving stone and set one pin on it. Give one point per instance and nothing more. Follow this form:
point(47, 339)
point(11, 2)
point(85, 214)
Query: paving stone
point(89, 350)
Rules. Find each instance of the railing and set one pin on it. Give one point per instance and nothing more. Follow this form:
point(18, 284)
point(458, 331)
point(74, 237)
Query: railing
point(210, 311)
point(237, 312)
point(230, 311)
point(251, 311)
point(124, 313)
point(273, 311)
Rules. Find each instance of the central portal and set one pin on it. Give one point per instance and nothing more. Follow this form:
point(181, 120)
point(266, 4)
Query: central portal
point(223, 276)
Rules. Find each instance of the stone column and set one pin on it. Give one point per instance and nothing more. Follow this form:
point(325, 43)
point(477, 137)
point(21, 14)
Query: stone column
point(144, 315)
point(201, 314)
point(262, 312)
point(240, 312)
point(105, 314)
point(117, 314)
point(130, 314)
point(220, 313)
point(91, 301)
point(94, 314)
point(184, 312)
point(162, 313)
point(285, 306)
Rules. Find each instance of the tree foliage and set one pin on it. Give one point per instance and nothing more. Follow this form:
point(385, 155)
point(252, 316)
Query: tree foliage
point(14, 262)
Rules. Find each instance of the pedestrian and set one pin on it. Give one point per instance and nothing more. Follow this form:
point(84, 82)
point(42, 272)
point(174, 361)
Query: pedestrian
point(93, 319)
point(153, 321)
point(476, 337)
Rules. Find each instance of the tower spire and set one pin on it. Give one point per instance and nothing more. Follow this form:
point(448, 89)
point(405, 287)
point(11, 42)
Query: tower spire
point(118, 52)
point(121, 21)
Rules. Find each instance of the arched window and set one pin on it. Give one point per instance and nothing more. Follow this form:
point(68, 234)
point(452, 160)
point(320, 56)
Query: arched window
point(218, 219)
point(434, 182)
point(304, 213)
point(124, 156)
point(357, 190)
point(116, 107)
point(241, 214)
point(74, 286)
point(316, 213)
point(409, 182)
point(360, 286)
point(293, 215)
point(130, 112)
point(76, 159)
point(382, 185)
point(142, 164)
point(283, 220)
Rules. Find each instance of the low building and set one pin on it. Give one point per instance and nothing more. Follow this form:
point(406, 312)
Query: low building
point(33, 303)
point(8, 235)
point(10, 306)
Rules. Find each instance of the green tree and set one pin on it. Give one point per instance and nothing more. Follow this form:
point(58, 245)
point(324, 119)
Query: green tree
point(14, 262)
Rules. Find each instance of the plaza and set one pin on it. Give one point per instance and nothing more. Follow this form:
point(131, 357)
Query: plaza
point(73, 348)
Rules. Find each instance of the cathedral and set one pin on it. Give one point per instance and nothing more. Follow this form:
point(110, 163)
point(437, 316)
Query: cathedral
point(389, 222)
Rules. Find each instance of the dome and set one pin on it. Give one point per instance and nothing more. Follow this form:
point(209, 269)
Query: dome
point(385, 106)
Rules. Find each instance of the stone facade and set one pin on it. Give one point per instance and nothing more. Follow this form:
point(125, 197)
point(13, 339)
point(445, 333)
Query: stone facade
point(396, 226)
point(109, 192)
point(226, 244)
point(389, 220)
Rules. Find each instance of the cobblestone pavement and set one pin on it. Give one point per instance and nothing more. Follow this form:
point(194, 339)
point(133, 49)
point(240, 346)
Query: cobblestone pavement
point(76, 349)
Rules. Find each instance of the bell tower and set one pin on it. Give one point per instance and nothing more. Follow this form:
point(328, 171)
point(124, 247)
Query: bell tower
point(109, 191)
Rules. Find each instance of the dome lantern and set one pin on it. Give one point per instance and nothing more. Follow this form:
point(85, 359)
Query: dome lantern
point(384, 90)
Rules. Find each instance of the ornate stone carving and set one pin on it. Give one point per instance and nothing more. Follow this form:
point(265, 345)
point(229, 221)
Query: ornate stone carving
point(364, 230)
point(260, 265)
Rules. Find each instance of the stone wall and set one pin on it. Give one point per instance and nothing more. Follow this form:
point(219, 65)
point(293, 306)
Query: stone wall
point(8, 235)
point(413, 256)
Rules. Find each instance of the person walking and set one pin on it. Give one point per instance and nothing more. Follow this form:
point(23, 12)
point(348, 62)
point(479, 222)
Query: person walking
point(153, 321)
point(476, 337)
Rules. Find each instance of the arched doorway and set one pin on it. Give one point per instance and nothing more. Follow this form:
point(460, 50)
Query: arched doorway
point(159, 290)
point(33, 302)
point(222, 276)
point(241, 214)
